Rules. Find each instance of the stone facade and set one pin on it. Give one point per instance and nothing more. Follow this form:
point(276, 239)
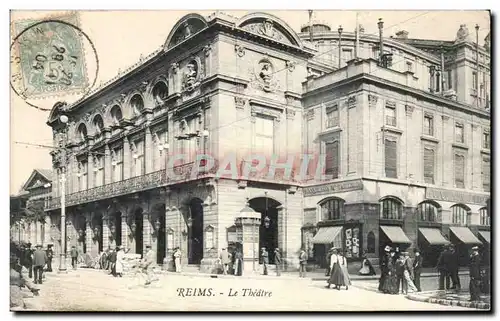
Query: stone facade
point(230, 88)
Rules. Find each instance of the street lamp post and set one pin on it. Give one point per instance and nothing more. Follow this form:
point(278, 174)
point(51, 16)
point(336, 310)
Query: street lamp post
point(62, 261)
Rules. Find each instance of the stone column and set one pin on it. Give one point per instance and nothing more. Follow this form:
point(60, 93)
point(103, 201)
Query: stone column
point(126, 158)
point(148, 151)
point(89, 235)
point(105, 233)
point(107, 165)
point(146, 229)
point(281, 228)
point(125, 230)
point(247, 224)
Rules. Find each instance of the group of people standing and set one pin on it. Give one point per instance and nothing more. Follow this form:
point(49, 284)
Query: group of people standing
point(337, 270)
point(399, 272)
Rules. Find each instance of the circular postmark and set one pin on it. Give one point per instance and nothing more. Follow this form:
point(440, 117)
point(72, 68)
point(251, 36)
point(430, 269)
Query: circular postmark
point(48, 59)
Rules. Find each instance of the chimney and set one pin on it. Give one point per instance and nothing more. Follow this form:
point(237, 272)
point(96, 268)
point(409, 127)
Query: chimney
point(402, 34)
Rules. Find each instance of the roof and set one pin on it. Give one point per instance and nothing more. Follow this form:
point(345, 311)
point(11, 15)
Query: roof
point(45, 173)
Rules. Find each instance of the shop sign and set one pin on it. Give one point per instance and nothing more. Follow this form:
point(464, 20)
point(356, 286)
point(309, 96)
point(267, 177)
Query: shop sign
point(333, 188)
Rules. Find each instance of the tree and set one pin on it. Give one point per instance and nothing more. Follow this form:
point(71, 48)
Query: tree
point(34, 211)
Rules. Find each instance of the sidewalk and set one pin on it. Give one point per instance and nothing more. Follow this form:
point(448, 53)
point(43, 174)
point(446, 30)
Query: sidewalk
point(452, 298)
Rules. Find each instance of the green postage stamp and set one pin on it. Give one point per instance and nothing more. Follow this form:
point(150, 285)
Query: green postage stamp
point(48, 57)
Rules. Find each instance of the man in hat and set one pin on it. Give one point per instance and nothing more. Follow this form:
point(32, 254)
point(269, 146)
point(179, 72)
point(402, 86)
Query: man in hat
point(265, 259)
point(27, 259)
point(74, 256)
point(225, 259)
point(327, 259)
point(384, 262)
point(303, 263)
point(149, 261)
point(50, 255)
point(453, 265)
point(442, 267)
point(39, 261)
point(277, 261)
point(475, 274)
point(417, 269)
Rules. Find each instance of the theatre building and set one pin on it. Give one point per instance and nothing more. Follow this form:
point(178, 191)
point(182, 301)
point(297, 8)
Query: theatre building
point(408, 159)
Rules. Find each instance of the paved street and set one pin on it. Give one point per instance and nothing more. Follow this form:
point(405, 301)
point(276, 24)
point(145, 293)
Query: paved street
point(96, 291)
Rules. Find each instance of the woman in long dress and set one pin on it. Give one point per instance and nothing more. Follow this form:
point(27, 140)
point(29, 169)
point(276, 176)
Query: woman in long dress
point(336, 275)
point(120, 255)
point(390, 282)
point(345, 274)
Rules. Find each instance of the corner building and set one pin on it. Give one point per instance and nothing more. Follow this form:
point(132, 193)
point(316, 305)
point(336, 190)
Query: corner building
point(408, 161)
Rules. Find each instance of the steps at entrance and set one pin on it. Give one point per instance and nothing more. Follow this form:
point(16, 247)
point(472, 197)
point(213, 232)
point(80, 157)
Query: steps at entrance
point(193, 268)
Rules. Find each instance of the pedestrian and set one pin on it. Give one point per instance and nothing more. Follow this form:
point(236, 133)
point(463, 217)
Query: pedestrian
point(366, 267)
point(265, 260)
point(333, 261)
point(328, 263)
point(120, 256)
point(277, 261)
point(475, 274)
point(345, 273)
point(50, 255)
point(408, 273)
point(28, 259)
point(74, 256)
point(18, 280)
point(238, 262)
point(225, 259)
point(302, 263)
point(177, 259)
point(338, 275)
point(442, 267)
point(453, 265)
point(39, 261)
point(148, 264)
point(390, 285)
point(400, 268)
point(384, 268)
point(417, 269)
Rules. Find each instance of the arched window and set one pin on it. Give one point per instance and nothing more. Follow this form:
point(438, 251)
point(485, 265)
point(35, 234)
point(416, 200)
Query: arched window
point(484, 217)
point(370, 243)
point(391, 208)
point(98, 124)
point(116, 114)
point(160, 92)
point(460, 215)
point(82, 132)
point(137, 104)
point(332, 209)
point(427, 212)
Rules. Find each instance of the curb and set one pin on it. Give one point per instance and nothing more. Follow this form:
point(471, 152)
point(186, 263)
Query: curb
point(466, 304)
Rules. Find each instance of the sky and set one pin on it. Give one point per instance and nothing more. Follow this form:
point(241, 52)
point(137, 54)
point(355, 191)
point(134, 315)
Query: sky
point(121, 37)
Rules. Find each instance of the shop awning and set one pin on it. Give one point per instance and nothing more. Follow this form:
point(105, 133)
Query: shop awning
point(433, 236)
point(395, 234)
point(464, 235)
point(485, 235)
point(326, 235)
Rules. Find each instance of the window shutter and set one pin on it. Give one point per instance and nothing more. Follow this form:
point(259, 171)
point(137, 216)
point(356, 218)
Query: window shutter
point(391, 159)
point(459, 171)
point(332, 159)
point(486, 174)
point(429, 165)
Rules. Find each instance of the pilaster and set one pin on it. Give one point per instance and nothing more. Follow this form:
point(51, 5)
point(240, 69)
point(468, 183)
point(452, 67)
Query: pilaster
point(126, 158)
point(148, 150)
point(89, 234)
point(146, 229)
point(105, 233)
point(125, 230)
point(107, 165)
point(90, 171)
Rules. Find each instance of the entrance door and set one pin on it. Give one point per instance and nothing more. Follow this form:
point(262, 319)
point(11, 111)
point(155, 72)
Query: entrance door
point(138, 232)
point(268, 230)
point(161, 241)
point(195, 241)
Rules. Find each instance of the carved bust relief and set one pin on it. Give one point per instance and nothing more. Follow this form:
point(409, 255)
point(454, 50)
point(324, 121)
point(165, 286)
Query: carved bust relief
point(264, 72)
point(190, 75)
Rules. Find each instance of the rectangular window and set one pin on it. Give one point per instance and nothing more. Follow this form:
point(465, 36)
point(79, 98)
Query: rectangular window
point(428, 125)
point(375, 52)
point(98, 170)
point(459, 133)
point(138, 158)
point(117, 164)
point(486, 171)
point(391, 159)
point(332, 159)
point(332, 116)
point(474, 80)
point(346, 55)
point(459, 171)
point(390, 114)
point(264, 135)
point(429, 161)
point(82, 176)
point(486, 139)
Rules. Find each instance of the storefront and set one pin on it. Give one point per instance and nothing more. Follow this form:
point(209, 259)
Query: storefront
point(431, 244)
point(463, 239)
